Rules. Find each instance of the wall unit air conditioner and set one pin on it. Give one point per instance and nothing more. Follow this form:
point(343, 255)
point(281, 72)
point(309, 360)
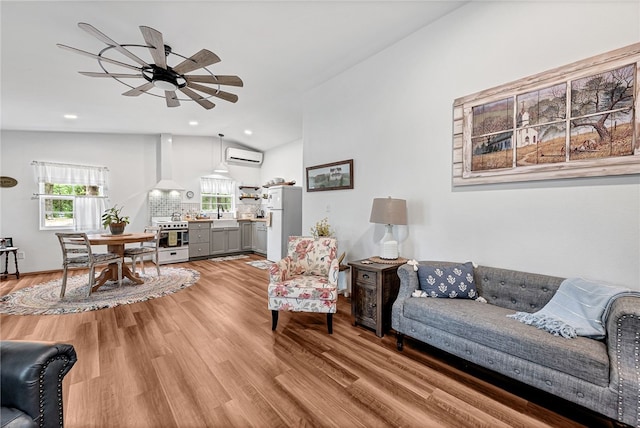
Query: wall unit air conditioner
point(243, 156)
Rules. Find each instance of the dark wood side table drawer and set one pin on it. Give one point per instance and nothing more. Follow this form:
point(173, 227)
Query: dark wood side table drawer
point(366, 276)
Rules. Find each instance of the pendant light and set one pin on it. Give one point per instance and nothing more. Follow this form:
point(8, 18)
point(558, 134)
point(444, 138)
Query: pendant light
point(222, 167)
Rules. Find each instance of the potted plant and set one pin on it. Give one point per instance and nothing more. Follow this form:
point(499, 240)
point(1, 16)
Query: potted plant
point(114, 220)
point(322, 228)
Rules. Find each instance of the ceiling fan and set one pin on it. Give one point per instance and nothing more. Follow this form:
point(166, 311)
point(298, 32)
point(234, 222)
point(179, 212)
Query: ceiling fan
point(159, 75)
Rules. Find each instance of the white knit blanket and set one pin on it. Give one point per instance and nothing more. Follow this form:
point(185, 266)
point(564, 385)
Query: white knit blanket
point(578, 308)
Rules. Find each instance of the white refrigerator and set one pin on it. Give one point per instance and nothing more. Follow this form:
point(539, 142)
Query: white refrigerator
point(285, 208)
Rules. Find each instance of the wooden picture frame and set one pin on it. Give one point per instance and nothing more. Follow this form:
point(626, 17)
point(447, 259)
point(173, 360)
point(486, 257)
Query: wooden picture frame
point(330, 176)
point(579, 120)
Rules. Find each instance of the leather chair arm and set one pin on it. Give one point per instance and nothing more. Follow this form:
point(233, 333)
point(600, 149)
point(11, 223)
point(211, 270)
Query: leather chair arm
point(31, 376)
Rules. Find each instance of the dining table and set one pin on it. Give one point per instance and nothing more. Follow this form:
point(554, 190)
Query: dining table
point(115, 244)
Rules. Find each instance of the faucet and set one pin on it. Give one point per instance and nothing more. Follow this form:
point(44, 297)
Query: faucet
point(219, 215)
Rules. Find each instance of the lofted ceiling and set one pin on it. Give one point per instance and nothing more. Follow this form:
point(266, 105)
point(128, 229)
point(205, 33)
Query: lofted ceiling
point(280, 49)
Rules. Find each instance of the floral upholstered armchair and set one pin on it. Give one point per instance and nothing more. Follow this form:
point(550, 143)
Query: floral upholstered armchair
point(306, 280)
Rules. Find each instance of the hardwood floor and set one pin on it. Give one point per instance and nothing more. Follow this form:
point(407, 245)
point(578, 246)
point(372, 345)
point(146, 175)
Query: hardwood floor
point(206, 357)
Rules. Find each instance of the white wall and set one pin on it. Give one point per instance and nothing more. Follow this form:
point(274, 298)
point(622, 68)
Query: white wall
point(284, 161)
point(133, 166)
point(393, 115)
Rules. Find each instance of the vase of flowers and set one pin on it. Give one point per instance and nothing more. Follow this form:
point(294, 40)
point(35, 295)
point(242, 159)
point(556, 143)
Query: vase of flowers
point(322, 229)
point(116, 222)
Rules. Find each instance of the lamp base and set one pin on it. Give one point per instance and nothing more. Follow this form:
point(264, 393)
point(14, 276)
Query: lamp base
point(389, 244)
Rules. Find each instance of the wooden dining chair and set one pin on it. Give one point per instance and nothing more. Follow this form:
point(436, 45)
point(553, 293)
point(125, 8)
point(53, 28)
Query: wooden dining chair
point(147, 248)
point(76, 252)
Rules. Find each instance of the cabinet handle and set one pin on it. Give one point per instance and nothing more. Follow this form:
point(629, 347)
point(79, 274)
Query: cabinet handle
point(365, 276)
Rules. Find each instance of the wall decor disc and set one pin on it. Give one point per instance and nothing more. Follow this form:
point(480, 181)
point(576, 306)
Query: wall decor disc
point(8, 181)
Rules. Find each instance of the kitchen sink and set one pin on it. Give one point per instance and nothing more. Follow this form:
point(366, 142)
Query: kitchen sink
point(224, 222)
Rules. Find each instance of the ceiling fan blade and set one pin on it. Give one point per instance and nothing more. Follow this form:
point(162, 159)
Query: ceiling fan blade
point(101, 58)
point(199, 60)
point(197, 98)
point(104, 38)
point(118, 75)
point(232, 98)
point(172, 99)
point(156, 45)
point(139, 90)
point(216, 80)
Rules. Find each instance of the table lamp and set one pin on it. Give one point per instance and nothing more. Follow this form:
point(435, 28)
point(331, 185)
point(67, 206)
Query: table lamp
point(389, 211)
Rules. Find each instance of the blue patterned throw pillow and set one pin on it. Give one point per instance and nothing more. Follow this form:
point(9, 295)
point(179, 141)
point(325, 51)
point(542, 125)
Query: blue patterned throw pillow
point(453, 282)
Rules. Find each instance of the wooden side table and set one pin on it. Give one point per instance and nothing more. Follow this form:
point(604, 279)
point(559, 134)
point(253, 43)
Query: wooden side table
point(374, 288)
point(6, 251)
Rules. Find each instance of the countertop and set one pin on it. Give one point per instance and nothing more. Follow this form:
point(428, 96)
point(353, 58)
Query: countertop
point(255, 219)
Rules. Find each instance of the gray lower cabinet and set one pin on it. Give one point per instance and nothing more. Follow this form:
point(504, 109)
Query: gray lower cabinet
point(259, 238)
point(233, 239)
point(225, 240)
point(199, 239)
point(246, 233)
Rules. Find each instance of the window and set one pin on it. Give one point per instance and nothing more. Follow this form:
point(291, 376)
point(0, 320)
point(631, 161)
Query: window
point(574, 121)
point(70, 196)
point(217, 193)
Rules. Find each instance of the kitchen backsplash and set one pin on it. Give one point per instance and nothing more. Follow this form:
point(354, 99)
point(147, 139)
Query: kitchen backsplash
point(165, 203)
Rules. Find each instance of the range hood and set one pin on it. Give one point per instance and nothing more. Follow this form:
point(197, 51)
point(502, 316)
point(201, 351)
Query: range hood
point(164, 165)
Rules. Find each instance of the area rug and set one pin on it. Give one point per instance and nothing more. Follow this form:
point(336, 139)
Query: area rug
point(260, 264)
point(227, 258)
point(44, 299)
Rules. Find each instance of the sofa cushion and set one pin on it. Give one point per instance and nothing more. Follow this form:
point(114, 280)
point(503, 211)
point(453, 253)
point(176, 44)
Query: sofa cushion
point(488, 325)
point(454, 281)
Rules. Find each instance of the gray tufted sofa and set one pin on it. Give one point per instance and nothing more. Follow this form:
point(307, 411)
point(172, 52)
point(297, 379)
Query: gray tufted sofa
point(603, 376)
point(31, 375)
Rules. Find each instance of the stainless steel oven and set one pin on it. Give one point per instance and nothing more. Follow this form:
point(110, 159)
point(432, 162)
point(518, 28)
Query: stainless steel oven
point(174, 240)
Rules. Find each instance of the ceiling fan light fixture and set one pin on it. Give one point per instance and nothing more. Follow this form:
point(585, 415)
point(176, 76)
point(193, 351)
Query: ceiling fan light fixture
point(164, 85)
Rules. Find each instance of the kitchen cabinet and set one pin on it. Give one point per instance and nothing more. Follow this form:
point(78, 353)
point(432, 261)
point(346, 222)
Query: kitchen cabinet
point(225, 240)
point(199, 239)
point(233, 239)
point(246, 234)
point(259, 237)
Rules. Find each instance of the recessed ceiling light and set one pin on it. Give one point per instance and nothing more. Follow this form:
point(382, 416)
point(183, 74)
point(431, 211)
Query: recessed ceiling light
point(248, 131)
point(193, 122)
point(70, 116)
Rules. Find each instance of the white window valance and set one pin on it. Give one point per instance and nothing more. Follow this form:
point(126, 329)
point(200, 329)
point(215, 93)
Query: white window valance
point(60, 173)
point(216, 186)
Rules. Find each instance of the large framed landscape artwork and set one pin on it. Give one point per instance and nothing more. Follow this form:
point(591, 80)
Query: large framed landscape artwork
point(575, 121)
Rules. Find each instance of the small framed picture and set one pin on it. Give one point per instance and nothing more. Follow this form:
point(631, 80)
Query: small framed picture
point(6, 242)
point(330, 176)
